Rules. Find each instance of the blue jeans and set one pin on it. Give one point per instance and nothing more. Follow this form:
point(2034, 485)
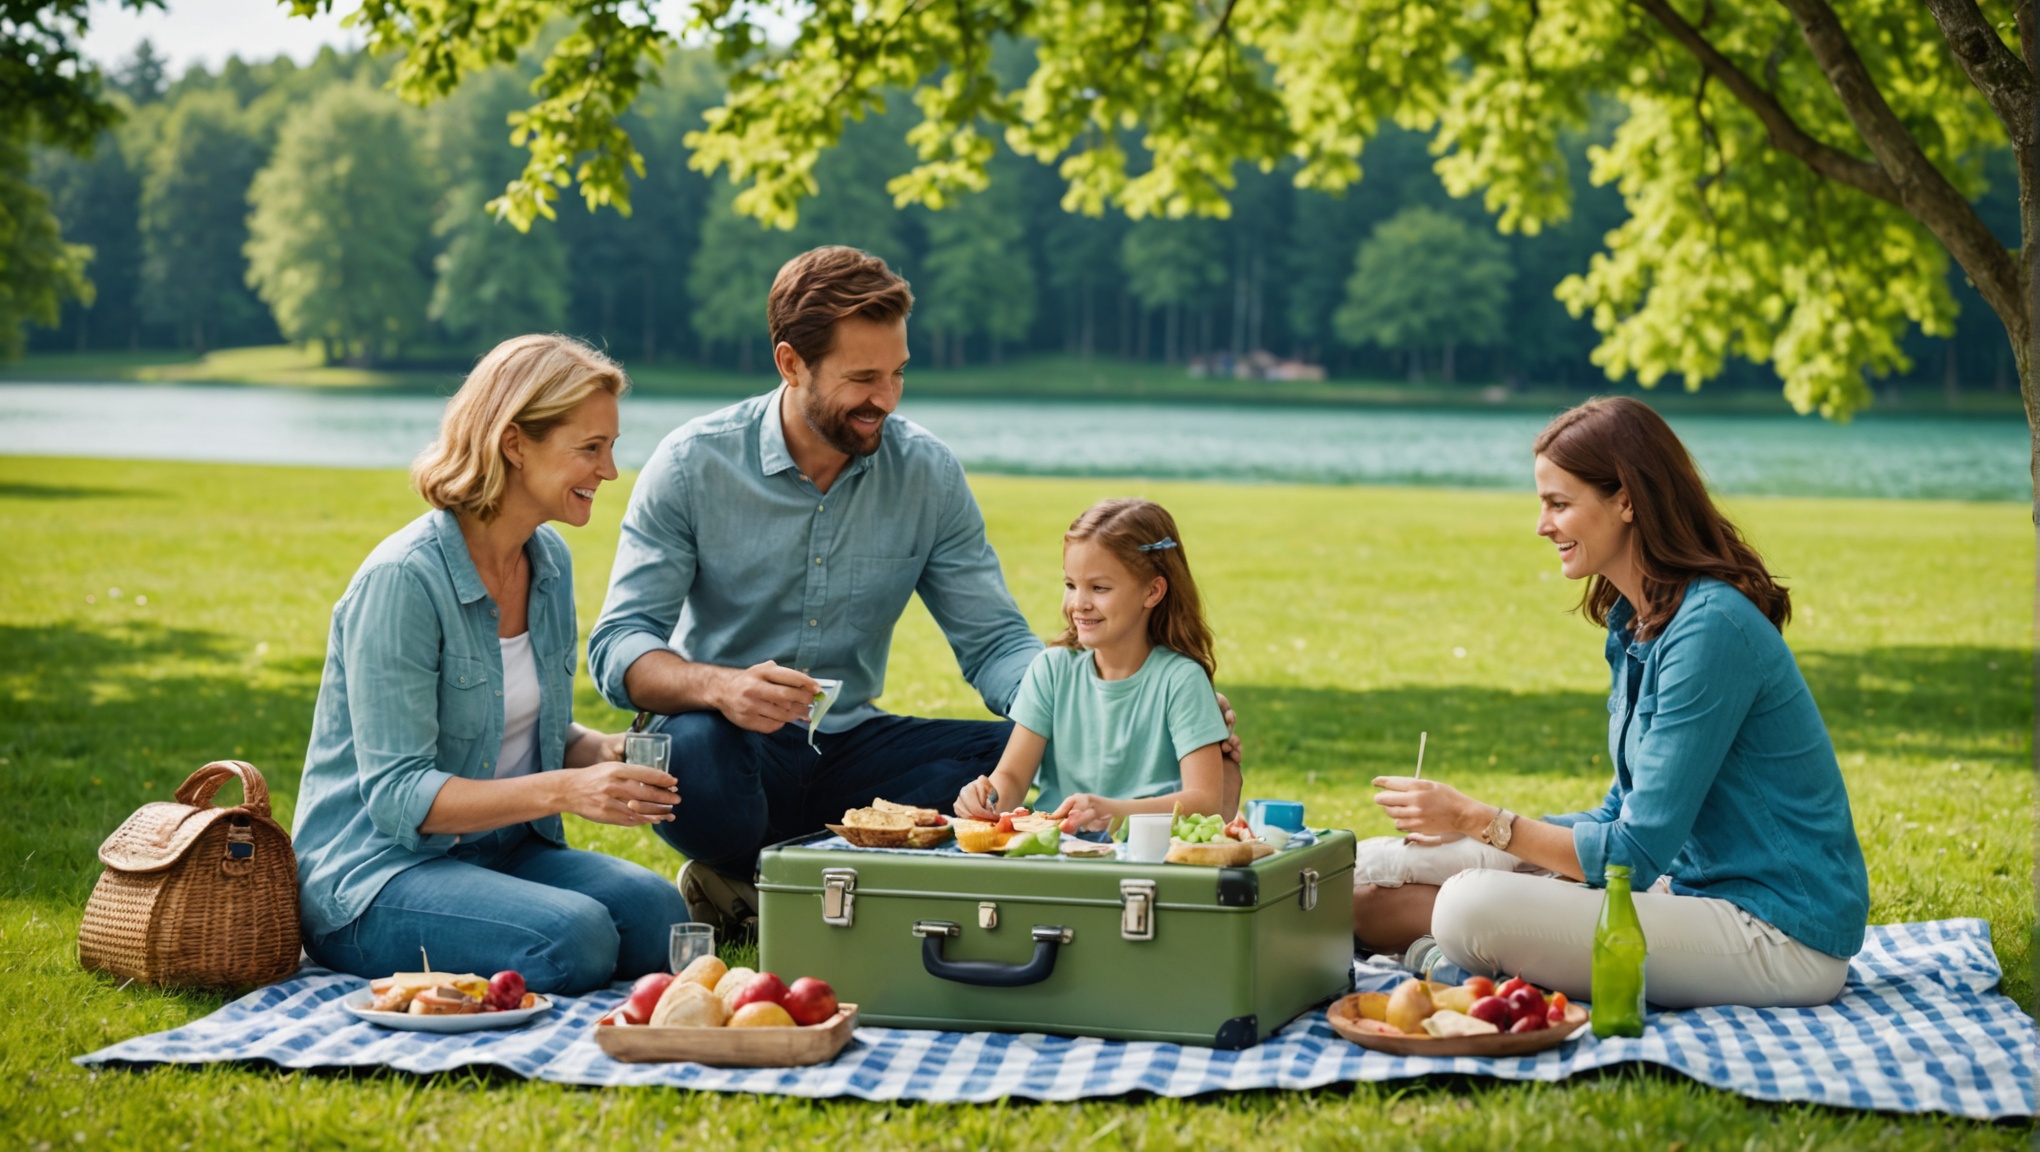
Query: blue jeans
point(740, 790)
point(568, 921)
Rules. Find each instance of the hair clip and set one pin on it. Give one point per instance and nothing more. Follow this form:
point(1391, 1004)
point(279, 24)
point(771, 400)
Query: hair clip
point(1162, 545)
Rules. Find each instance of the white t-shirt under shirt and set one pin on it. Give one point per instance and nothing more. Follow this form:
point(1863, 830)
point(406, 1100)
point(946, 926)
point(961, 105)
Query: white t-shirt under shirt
point(1125, 739)
point(519, 754)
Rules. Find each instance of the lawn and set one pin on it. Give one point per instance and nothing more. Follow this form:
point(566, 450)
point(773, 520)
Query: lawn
point(1349, 620)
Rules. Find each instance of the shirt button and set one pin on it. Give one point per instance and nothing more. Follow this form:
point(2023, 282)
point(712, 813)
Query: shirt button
point(499, 692)
point(818, 559)
point(821, 507)
point(810, 623)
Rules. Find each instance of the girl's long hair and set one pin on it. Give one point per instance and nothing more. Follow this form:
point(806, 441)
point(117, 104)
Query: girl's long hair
point(1619, 444)
point(1122, 527)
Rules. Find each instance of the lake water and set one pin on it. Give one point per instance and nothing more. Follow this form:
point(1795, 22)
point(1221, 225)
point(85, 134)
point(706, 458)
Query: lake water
point(1908, 456)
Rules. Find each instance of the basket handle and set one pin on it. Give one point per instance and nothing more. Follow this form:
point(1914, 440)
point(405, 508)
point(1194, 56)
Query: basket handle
point(199, 788)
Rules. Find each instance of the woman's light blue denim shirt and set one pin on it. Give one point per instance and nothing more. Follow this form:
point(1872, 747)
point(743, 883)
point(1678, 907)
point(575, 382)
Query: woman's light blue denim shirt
point(412, 696)
point(1725, 779)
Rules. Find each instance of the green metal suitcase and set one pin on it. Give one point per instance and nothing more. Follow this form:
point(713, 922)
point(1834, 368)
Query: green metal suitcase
point(1088, 947)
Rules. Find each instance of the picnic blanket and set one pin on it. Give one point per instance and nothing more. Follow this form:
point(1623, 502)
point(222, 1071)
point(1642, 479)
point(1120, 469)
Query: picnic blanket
point(1919, 1028)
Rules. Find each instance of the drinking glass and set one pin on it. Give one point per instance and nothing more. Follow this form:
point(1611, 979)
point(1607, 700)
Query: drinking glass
point(649, 749)
point(690, 942)
point(1147, 837)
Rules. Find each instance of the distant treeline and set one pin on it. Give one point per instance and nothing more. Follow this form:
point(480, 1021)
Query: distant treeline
point(273, 201)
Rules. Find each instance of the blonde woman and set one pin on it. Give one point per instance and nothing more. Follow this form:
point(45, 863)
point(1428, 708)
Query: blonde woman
point(443, 748)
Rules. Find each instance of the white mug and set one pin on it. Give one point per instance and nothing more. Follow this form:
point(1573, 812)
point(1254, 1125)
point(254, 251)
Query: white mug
point(1147, 837)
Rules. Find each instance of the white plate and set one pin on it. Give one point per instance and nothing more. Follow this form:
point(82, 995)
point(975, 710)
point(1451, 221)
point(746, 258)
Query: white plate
point(358, 1002)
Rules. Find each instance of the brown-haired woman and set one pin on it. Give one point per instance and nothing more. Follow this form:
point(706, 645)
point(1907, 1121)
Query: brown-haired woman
point(1727, 805)
point(443, 746)
point(1117, 715)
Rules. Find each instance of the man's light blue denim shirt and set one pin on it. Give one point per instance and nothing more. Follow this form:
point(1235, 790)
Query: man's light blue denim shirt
point(1725, 779)
point(411, 697)
point(729, 556)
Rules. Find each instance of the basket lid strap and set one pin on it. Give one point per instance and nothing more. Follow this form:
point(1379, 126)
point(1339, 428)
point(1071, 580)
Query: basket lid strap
point(198, 790)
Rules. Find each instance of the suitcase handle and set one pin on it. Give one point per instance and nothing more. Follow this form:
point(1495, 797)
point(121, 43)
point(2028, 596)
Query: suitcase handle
point(1048, 940)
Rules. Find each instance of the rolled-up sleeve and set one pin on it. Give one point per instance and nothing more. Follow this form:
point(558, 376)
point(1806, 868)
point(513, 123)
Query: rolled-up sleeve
point(1611, 808)
point(1706, 684)
point(654, 572)
point(390, 636)
point(966, 594)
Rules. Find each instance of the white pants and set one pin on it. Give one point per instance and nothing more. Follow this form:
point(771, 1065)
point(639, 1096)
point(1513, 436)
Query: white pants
point(1702, 951)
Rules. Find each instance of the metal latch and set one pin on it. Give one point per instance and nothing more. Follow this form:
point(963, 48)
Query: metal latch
point(988, 915)
point(927, 928)
point(1308, 897)
point(1137, 910)
point(839, 900)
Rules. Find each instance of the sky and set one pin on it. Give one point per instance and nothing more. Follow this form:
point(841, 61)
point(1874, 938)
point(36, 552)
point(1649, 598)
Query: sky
point(208, 31)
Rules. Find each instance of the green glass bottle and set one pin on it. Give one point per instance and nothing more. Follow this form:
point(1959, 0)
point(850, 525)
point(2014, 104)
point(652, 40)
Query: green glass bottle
point(1618, 961)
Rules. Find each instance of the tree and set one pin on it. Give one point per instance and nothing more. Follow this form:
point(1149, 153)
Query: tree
point(339, 237)
point(41, 271)
point(980, 278)
point(1172, 265)
point(51, 95)
point(1426, 280)
point(194, 219)
point(495, 282)
point(98, 200)
point(1797, 173)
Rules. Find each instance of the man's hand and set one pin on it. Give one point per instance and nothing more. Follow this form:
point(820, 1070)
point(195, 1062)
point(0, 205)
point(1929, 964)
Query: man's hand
point(765, 697)
point(612, 792)
point(1230, 749)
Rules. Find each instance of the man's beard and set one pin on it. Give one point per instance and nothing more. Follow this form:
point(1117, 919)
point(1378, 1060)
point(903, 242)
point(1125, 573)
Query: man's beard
point(835, 428)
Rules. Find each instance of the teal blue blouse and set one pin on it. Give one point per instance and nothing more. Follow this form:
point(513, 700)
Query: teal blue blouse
point(412, 696)
point(1725, 779)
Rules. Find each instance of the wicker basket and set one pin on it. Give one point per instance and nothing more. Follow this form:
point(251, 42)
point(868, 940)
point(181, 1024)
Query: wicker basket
point(194, 894)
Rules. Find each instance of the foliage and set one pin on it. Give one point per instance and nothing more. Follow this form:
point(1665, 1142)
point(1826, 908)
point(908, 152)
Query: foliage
point(194, 218)
point(1426, 280)
point(338, 236)
point(493, 281)
point(47, 85)
point(97, 198)
point(980, 279)
point(1336, 642)
point(38, 270)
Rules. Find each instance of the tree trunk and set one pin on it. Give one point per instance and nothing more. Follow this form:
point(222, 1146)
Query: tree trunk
point(1090, 324)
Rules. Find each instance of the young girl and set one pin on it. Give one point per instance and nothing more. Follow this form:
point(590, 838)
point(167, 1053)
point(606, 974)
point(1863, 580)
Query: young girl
point(1117, 715)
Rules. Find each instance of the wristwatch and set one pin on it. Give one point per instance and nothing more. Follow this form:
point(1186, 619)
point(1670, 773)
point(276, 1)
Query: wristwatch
point(1500, 830)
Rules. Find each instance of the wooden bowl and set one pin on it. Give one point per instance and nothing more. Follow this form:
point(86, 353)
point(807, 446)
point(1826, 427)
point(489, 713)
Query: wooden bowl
point(729, 1047)
point(1345, 1011)
point(873, 837)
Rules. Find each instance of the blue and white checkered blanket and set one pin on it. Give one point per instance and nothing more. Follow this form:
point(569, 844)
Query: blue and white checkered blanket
point(1920, 1028)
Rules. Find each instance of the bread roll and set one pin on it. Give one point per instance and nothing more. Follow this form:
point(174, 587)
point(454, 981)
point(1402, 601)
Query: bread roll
point(705, 971)
point(688, 1005)
point(733, 982)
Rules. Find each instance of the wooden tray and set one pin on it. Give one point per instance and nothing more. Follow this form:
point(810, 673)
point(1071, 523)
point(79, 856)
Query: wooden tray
point(1345, 1010)
point(729, 1047)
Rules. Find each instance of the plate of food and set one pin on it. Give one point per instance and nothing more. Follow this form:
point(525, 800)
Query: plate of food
point(1213, 843)
point(886, 824)
point(727, 1018)
point(1477, 1018)
point(446, 1002)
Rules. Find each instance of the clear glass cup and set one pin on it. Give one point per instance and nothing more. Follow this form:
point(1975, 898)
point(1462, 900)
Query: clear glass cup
point(690, 942)
point(649, 749)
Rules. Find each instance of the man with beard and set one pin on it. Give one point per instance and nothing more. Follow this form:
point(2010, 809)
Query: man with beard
point(777, 541)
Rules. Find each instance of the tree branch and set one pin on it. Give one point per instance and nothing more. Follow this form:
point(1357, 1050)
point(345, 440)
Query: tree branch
point(2000, 75)
point(1922, 189)
point(1786, 134)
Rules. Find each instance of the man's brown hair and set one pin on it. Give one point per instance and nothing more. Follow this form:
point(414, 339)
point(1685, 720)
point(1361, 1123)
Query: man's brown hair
point(823, 285)
point(1620, 444)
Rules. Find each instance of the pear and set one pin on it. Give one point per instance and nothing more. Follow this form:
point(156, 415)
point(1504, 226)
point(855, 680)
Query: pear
point(1373, 1005)
point(1408, 1005)
point(1453, 999)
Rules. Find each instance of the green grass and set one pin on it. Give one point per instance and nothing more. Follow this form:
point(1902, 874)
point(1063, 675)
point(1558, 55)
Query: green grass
point(1339, 612)
point(1104, 377)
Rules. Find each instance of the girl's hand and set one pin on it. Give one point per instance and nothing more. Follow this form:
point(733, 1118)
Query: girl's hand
point(1085, 812)
point(1427, 808)
point(975, 801)
point(612, 792)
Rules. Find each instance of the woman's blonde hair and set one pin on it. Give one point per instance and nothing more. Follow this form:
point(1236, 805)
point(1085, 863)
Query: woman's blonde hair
point(1142, 535)
point(530, 381)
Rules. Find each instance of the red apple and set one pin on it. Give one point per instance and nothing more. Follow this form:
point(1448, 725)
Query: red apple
point(809, 1001)
point(1526, 1001)
point(1510, 985)
point(506, 990)
point(1492, 1009)
point(644, 996)
point(1531, 1023)
point(763, 987)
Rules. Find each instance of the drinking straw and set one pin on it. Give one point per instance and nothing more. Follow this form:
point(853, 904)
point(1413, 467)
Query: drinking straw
point(1422, 739)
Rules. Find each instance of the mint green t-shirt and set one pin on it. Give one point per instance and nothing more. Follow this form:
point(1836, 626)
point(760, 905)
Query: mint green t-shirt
point(1125, 739)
